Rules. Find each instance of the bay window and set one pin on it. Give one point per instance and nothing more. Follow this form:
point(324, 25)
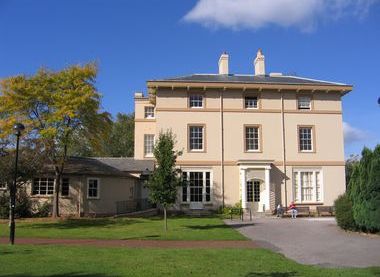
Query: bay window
point(307, 185)
point(198, 186)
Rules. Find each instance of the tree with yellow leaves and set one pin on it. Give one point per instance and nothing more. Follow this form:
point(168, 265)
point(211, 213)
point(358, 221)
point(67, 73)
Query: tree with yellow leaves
point(57, 109)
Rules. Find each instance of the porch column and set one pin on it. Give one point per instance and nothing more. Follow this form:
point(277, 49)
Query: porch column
point(243, 183)
point(267, 188)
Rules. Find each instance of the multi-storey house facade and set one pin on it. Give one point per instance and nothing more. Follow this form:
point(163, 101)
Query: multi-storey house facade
point(262, 139)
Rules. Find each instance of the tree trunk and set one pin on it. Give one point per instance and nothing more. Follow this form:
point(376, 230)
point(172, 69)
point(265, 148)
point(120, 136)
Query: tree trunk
point(57, 185)
point(165, 219)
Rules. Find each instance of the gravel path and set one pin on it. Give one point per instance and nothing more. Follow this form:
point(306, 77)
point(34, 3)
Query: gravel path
point(317, 241)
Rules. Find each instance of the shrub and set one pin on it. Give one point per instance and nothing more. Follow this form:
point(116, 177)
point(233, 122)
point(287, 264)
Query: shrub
point(231, 210)
point(44, 209)
point(343, 213)
point(23, 204)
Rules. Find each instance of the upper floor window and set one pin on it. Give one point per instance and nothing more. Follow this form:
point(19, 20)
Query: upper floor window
point(305, 135)
point(196, 138)
point(149, 112)
point(196, 101)
point(252, 138)
point(251, 102)
point(304, 103)
point(148, 145)
point(93, 188)
point(43, 186)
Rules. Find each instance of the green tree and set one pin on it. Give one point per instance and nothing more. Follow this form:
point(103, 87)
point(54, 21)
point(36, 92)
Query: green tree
point(164, 182)
point(118, 143)
point(364, 191)
point(56, 108)
point(121, 140)
point(350, 164)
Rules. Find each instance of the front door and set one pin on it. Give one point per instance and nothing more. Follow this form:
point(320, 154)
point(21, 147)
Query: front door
point(254, 198)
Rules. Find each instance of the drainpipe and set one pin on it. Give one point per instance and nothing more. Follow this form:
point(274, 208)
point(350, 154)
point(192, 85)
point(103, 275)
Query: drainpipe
point(222, 144)
point(283, 148)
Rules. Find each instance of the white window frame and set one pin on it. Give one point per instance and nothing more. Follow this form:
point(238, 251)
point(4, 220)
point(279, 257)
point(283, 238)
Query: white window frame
point(258, 138)
point(188, 197)
point(311, 139)
point(149, 112)
point(88, 188)
point(196, 95)
point(247, 98)
point(297, 174)
point(146, 154)
point(47, 186)
point(203, 138)
point(301, 102)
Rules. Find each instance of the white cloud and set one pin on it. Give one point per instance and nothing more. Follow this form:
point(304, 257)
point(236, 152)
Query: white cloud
point(352, 134)
point(255, 14)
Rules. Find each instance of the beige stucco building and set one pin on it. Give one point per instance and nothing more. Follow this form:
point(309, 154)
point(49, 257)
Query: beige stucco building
point(94, 187)
point(262, 139)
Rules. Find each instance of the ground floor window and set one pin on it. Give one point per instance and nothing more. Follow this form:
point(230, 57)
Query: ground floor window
point(253, 191)
point(93, 188)
point(307, 185)
point(43, 186)
point(198, 188)
point(65, 187)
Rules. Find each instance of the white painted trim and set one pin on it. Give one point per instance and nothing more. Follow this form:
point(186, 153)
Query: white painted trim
point(203, 170)
point(93, 178)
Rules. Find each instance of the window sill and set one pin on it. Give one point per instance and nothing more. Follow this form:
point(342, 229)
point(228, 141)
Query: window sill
point(93, 198)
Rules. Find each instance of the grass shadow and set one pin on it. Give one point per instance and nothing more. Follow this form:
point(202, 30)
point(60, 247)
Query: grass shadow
point(271, 274)
point(69, 274)
point(82, 223)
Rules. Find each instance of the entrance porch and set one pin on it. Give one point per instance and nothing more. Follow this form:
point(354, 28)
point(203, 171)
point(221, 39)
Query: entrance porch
point(255, 185)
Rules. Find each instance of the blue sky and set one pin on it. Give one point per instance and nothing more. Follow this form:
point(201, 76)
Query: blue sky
point(133, 41)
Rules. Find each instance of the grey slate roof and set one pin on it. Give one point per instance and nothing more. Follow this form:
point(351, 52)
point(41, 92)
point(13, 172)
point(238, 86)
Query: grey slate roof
point(118, 167)
point(249, 79)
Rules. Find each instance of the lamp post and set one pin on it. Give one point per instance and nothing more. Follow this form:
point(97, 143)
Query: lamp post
point(18, 128)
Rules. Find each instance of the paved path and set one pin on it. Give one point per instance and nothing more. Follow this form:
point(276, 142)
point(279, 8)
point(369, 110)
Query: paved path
point(136, 243)
point(315, 241)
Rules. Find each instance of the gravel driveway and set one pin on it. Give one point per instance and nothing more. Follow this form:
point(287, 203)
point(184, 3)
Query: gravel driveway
point(316, 241)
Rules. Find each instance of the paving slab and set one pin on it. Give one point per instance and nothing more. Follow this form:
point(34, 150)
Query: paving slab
point(313, 241)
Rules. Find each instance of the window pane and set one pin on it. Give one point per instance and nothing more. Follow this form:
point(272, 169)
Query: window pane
point(149, 112)
point(148, 145)
point(65, 187)
point(306, 186)
point(304, 103)
point(196, 138)
point(318, 186)
point(196, 101)
point(250, 102)
point(249, 191)
point(256, 191)
point(196, 186)
point(184, 188)
point(252, 138)
point(208, 187)
point(93, 188)
point(305, 139)
point(296, 185)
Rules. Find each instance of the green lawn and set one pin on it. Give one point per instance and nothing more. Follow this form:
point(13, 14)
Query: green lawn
point(78, 261)
point(180, 228)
